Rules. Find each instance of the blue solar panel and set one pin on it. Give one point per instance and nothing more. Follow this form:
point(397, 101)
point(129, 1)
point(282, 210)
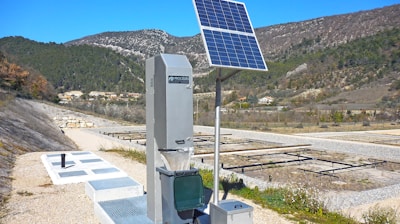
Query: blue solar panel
point(224, 15)
point(228, 36)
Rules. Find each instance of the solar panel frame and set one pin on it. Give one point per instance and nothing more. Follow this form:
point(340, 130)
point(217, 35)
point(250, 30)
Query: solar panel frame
point(228, 35)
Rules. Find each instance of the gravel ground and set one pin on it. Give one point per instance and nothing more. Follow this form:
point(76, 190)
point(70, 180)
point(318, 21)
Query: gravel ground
point(34, 199)
point(353, 204)
point(318, 142)
point(33, 192)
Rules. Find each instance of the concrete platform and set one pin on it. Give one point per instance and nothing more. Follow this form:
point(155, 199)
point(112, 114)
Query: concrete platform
point(117, 198)
point(80, 166)
point(113, 189)
point(128, 210)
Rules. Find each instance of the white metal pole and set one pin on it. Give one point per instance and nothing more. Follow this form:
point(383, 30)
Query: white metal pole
point(217, 136)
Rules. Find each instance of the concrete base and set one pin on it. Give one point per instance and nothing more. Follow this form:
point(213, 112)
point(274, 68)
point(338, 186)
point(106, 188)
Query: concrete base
point(112, 189)
point(128, 210)
point(79, 167)
point(117, 198)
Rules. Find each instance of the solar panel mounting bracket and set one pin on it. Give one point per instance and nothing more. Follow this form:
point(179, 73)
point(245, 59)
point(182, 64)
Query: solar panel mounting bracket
point(232, 73)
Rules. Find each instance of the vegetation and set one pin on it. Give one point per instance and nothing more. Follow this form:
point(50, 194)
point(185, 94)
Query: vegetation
point(24, 83)
point(330, 70)
point(24, 193)
point(89, 68)
point(379, 215)
point(86, 68)
point(131, 111)
point(130, 154)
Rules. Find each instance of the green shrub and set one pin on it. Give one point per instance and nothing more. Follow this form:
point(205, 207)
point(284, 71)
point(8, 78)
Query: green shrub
point(128, 153)
point(304, 199)
point(379, 215)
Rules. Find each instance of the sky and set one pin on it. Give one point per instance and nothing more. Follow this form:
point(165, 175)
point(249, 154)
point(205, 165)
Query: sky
point(65, 20)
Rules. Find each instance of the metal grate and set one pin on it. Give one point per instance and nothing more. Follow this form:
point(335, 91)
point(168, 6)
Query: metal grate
point(91, 160)
point(113, 183)
point(130, 210)
point(105, 170)
point(53, 155)
point(72, 173)
point(80, 153)
point(66, 163)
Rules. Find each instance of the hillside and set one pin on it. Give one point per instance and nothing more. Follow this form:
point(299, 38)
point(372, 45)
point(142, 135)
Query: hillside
point(331, 54)
point(24, 83)
point(85, 68)
point(24, 128)
point(283, 40)
point(277, 42)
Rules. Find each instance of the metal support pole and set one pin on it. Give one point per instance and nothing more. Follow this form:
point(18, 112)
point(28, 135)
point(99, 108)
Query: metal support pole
point(217, 135)
point(219, 80)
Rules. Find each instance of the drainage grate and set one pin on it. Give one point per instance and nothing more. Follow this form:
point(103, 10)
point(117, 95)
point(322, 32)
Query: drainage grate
point(105, 170)
point(53, 155)
point(80, 153)
point(129, 210)
point(66, 163)
point(91, 160)
point(113, 183)
point(72, 173)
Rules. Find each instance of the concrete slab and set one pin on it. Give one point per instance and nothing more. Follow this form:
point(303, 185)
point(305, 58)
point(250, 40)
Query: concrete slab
point(113, 189)
point(128, 210)
point(79, 167)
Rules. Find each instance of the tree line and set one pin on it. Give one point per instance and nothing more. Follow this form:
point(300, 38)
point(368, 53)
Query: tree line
point(86, 68)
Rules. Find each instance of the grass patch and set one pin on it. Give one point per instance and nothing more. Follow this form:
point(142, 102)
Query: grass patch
point(138, 156)
point(3, 201)
point(379, 215)
point(46, 185)
point(3, 213)
point(24, 193)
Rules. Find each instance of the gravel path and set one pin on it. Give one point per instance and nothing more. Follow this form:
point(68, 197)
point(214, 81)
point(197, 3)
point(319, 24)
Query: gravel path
point(318, 141)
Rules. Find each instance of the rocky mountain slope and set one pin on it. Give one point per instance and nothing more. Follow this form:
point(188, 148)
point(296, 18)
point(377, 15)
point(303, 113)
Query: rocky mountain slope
point(277, 42)
point(329, 31)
